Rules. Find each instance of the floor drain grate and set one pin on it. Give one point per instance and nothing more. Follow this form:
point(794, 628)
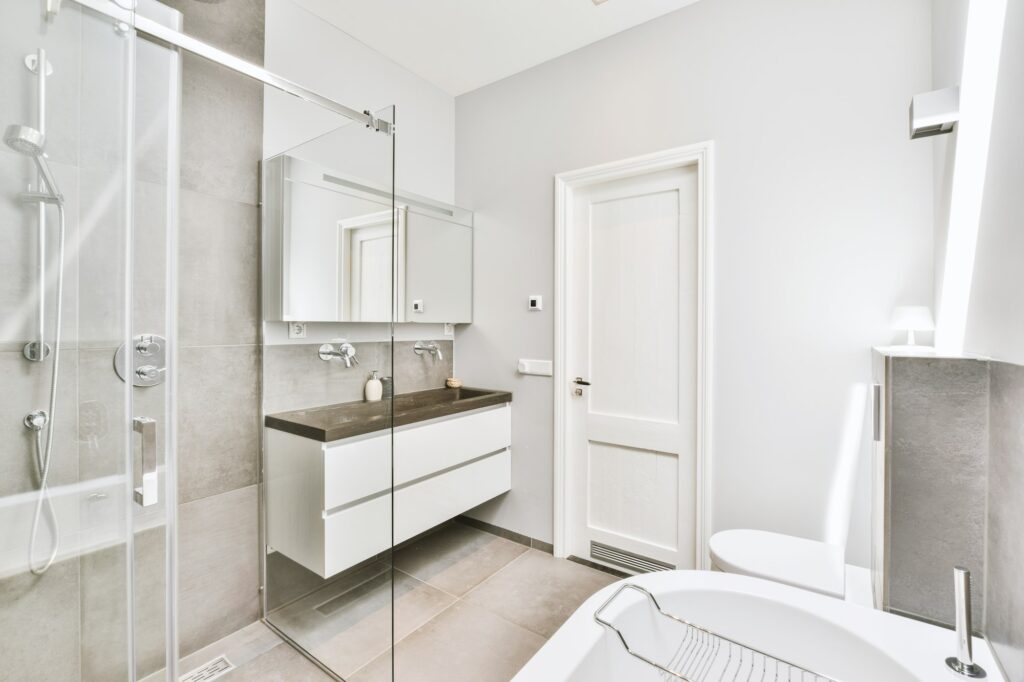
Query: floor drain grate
point(209, 671)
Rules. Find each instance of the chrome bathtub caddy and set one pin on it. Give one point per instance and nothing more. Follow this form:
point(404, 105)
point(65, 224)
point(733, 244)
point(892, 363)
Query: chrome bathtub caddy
point(703, 655)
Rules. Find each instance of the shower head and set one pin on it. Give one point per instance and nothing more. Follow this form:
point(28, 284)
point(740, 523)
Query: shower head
point(24, 140)
point(31, 142)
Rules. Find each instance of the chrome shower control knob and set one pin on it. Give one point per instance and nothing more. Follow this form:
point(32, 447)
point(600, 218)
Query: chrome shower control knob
point(148, 372)
point(147, 345)
point(36, 420)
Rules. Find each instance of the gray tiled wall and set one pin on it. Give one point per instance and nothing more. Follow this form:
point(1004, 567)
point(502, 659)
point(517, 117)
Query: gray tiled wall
point(294, 376)
point(936, 452)
point(1004, 623)
point(219, 360)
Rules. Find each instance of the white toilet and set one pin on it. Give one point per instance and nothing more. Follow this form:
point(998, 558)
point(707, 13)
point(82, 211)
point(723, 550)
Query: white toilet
point(809, 564)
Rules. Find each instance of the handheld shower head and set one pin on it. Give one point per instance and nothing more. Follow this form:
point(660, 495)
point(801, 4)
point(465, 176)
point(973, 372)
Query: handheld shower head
point(31, 142)
point(24, 140)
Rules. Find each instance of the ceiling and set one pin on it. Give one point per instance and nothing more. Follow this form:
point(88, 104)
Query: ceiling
point(461, 45)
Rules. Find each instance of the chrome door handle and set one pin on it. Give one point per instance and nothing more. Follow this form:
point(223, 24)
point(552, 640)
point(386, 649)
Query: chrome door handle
point(147, 494)
point(580, 382)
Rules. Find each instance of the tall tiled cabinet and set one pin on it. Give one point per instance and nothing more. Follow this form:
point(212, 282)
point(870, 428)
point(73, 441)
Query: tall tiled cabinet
point(929, 472)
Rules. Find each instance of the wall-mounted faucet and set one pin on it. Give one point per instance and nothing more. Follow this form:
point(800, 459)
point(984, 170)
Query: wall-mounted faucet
point(344, 351)
point(429, 347)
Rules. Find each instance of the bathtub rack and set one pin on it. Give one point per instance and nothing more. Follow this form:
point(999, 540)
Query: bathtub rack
point(704, 656)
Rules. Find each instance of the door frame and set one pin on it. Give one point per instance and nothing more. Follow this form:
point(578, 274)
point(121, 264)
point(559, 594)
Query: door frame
point(566, 185)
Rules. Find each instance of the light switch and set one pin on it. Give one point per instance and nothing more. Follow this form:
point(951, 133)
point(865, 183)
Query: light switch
point(541, 368)
point(417, 306)
point(296, 330)
point(536, 302)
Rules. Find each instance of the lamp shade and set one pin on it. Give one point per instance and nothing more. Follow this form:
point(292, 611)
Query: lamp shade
point(915, 318)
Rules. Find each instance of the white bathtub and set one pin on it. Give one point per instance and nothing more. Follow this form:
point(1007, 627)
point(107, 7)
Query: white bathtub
point(833, 638)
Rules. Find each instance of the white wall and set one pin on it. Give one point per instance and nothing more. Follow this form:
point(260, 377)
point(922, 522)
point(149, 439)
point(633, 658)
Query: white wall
point(304, 48)
point(823, 224)
point(949, 28)
point(995, 323)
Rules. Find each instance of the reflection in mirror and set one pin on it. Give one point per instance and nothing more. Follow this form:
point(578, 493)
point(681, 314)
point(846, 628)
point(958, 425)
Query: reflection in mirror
point(330, 256)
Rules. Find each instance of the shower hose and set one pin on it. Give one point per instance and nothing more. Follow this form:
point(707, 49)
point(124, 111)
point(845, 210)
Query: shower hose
point(44, 448)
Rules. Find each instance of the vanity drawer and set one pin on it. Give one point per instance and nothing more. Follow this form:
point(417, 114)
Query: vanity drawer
point(423, 450)
point(423, 505)
point(356, 468)
point(355, 534)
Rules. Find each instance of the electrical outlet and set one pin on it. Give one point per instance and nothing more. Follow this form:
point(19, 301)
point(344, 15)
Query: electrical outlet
point(449, 329)
point(296, 330)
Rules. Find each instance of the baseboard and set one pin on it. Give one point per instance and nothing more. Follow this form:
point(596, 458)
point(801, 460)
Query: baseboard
point(519, 538)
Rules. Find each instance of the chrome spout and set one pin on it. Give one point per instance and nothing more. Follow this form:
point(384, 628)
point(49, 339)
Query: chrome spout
point(963, 663)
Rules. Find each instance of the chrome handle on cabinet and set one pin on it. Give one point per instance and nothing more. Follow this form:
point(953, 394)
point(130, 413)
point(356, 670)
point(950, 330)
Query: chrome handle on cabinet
point(148, 493)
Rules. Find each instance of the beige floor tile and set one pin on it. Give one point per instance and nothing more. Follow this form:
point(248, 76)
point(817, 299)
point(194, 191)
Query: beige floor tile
point(240, 647)
point(348, 626)
point(457, 558)
point(538, 591)
point(280, 664)
point(464, 644)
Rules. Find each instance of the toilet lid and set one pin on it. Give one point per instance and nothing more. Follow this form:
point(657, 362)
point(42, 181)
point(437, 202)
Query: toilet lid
point(809, 564)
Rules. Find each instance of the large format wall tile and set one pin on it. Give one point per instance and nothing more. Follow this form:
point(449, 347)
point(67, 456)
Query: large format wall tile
point(938, 417)
point(222, 131)
point(218, 567)
point(1004, 625)
point(218, 271)
point(419, 372)
point(19, 273)
point(26, 387)
point(104, 608)
point(235, 27)
point(295, 377)
point(40, 625)
point(218, 420)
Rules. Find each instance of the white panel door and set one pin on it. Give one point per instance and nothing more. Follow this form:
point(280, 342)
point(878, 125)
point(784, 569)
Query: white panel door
point(632, 334)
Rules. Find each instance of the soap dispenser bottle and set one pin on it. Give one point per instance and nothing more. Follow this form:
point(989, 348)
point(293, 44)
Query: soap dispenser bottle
point(374, 389)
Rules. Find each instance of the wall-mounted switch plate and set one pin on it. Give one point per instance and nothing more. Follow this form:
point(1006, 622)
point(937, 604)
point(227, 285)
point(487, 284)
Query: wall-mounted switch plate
point(536, 303)
point(417, 306)
point(449, 329)
point(541, 368)
point(296, 330)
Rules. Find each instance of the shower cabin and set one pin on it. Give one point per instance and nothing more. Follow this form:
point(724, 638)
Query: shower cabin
point(128, 494)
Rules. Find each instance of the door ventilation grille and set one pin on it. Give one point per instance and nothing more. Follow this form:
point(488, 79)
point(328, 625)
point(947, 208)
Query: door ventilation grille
point(209, 671)
point(621, 557)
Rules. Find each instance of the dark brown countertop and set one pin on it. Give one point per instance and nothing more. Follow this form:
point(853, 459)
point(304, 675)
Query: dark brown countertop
point(344, 420)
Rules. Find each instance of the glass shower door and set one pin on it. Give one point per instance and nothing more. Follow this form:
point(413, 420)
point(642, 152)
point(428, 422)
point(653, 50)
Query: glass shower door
point(330, 238)
point(85, 467)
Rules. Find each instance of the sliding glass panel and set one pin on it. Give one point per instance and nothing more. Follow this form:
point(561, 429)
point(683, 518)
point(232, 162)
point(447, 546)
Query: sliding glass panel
point(80, 440)
point(330, 237)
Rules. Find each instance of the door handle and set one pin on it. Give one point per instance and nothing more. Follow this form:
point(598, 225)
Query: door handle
point(147, 494)
point(579, 381)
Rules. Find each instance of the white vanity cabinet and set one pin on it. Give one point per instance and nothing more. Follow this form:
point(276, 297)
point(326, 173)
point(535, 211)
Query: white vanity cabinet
point(329, 505)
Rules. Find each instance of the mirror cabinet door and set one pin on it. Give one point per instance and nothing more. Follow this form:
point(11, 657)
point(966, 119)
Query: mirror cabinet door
point(329, 254)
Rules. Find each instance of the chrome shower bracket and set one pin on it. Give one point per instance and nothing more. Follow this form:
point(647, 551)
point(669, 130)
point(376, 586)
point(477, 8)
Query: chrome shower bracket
point(52, 9)
point(378, 124)
point(32, 63)
point(149, 360)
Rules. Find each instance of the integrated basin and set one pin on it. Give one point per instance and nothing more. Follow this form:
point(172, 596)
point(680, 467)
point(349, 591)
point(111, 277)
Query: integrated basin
point(345, 420)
